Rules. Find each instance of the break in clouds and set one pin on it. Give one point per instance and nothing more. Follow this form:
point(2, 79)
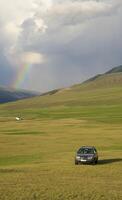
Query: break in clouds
point(62, 42)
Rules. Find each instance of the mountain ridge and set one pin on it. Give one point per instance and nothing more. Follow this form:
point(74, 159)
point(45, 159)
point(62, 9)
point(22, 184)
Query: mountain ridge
point(114, 70)
point(109, 79)
point(104, 90)
point(10, 94)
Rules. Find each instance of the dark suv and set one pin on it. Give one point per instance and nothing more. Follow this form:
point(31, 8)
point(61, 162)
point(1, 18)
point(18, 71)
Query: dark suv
point(86, 154)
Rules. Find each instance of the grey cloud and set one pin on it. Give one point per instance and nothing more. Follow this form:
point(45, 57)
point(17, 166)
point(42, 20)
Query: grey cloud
point(7, 73)
point(74, 12)
point(77, 42)
point(57, 34)
point(75, 55)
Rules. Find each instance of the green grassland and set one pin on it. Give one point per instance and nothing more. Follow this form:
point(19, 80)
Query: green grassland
point(37, 153)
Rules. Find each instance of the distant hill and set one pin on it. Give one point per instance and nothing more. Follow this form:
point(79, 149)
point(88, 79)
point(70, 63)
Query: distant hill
point(9, 95)
point(104, 89)
point(115, 70)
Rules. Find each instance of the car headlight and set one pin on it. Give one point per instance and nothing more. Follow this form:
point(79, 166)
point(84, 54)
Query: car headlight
point(77, 157)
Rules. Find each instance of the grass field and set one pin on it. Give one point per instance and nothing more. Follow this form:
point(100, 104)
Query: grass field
point(37, 153)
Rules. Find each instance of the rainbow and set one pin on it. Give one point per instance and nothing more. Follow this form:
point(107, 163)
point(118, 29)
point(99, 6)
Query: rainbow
point(21, 76)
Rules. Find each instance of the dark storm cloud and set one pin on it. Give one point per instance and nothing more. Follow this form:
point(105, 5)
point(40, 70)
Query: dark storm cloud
point(77, 39)
point(78, 51)
point(7, 73)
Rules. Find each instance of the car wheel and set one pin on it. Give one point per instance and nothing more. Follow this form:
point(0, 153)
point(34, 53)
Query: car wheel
point(96, 161)
point(93, 162)
point(76, 162)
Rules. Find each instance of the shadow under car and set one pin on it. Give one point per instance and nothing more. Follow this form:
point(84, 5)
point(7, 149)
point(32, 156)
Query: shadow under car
point(108, 161)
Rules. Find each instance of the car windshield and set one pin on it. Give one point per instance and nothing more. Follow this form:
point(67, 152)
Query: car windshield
point(85, 151)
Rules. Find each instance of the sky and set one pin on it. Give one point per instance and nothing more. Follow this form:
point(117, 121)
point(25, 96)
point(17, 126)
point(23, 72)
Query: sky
point(49, 44)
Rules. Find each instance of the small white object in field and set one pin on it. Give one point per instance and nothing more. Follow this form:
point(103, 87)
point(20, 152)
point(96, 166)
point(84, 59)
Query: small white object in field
point(18, 118)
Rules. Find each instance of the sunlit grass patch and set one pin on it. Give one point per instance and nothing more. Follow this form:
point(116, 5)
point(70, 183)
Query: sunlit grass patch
point(19, 159)
point(37, 153)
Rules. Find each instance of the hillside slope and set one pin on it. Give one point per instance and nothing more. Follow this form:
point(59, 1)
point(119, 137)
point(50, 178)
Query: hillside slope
point(115, 70)
point(99, 100)
point(106, 89)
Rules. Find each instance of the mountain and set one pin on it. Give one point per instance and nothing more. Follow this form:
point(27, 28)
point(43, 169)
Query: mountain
point(104, 89)
point(115, 70)
point(98, 99)
point(9, 95)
